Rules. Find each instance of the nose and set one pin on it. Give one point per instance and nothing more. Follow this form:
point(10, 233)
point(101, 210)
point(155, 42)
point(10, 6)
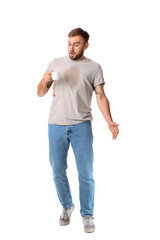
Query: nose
point(72, 48)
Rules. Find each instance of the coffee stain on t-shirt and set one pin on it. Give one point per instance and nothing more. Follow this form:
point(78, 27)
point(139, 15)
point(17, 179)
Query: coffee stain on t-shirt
point(72, 76)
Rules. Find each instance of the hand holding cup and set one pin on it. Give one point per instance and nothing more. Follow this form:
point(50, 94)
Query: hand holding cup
point(47, 76)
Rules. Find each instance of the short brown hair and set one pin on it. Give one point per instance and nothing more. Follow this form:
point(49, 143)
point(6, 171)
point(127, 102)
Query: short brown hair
point(81, 32)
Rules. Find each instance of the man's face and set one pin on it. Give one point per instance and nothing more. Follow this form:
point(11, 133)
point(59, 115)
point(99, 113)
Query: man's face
point(76, 47)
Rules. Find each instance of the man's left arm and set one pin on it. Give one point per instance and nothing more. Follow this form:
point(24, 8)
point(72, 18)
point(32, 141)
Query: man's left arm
point(104, 106)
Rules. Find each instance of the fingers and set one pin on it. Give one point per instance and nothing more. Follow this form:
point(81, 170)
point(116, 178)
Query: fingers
point(116, 130)
point(115, 134)
point(48, 76)
point(49, 72)
point(116, 124)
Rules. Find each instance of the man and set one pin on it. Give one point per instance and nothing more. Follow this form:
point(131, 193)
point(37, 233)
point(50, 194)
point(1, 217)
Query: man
point(70, 122)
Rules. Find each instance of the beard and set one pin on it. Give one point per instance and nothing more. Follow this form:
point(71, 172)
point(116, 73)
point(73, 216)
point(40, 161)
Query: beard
point(77, 56)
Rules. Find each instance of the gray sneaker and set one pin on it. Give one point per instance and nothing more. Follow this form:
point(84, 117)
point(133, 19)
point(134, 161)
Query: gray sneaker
point(89, 226)
point(66, 215)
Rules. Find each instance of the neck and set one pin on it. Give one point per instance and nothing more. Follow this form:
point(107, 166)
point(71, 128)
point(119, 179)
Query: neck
point(83, 57)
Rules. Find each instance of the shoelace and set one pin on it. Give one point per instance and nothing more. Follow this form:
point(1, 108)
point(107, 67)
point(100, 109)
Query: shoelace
point(64, 214)
point(88, 220)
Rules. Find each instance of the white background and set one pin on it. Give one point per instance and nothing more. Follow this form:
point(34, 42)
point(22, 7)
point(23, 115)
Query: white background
point(124, 39)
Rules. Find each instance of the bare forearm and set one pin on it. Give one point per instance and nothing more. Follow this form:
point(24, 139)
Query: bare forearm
point(43, 88)
point(104, 106)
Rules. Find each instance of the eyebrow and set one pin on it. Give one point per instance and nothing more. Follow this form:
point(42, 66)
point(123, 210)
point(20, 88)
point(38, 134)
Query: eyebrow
point(74, 42)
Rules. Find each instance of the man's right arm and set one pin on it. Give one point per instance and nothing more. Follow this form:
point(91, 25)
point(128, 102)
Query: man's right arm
point(44, 84)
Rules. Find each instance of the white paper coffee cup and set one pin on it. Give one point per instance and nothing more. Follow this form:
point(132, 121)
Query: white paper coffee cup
point(55, 75)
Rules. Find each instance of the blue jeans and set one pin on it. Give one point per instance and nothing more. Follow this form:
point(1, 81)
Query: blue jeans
point(81, 138)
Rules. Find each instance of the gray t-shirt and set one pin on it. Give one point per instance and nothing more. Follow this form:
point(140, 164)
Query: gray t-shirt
point(73, 91)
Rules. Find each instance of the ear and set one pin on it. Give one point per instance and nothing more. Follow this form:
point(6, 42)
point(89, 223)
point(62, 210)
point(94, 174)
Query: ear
point(86, 45)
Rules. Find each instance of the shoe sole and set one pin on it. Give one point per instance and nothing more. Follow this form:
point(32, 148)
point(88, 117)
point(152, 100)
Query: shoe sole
point(89, 230)
point(66, 223)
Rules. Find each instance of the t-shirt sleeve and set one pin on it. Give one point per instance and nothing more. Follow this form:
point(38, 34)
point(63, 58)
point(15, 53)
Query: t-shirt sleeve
point(98, 77)
point(51, 65)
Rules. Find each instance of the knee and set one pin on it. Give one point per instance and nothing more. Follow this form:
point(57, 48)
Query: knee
point(59, 172)
point(58, 168)
point(86, 177)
